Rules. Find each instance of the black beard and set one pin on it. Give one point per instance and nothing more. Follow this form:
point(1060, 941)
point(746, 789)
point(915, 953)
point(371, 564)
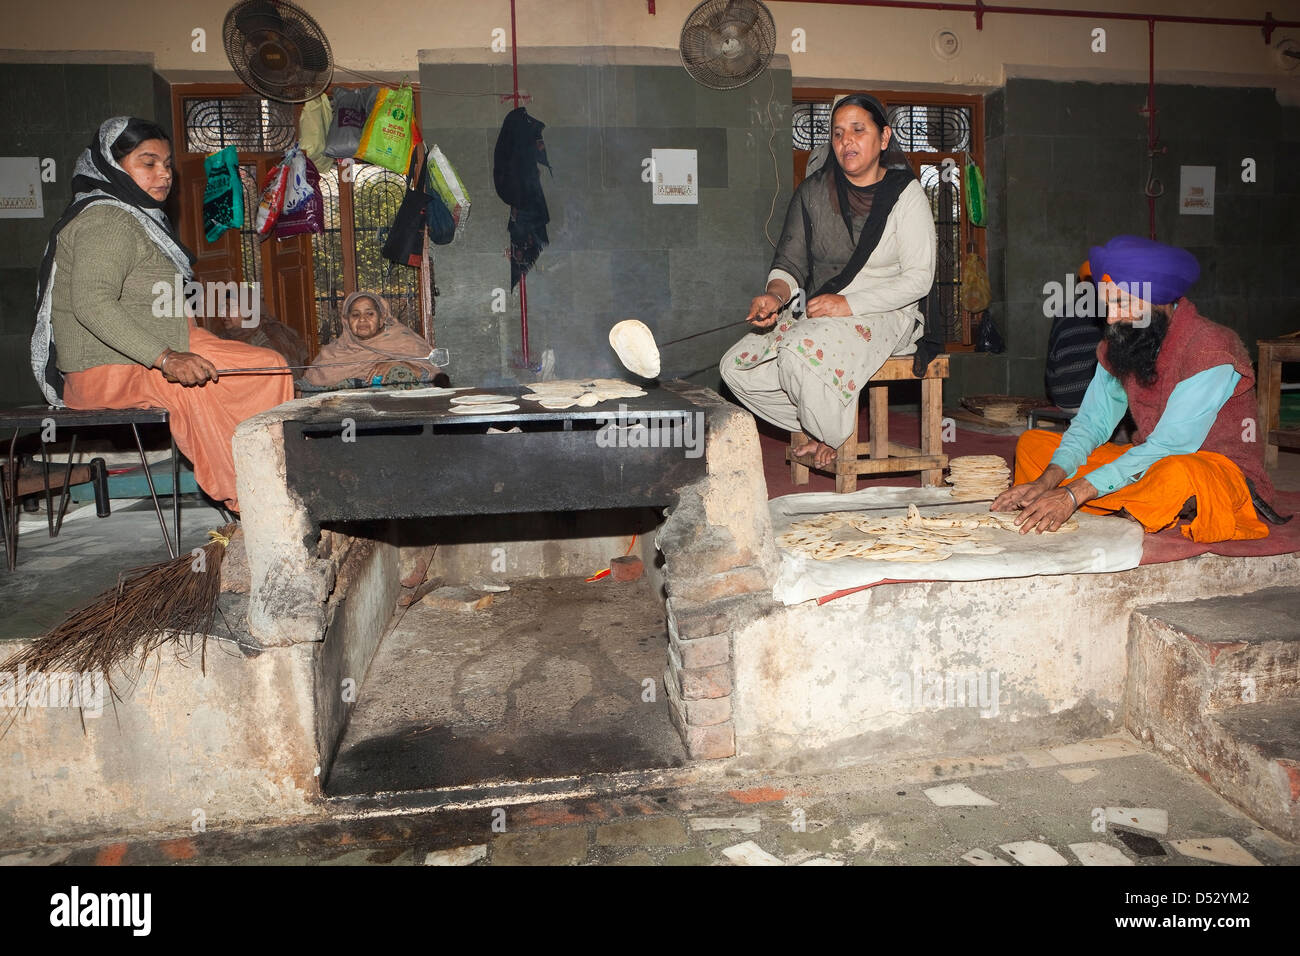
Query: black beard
point(1134, 351)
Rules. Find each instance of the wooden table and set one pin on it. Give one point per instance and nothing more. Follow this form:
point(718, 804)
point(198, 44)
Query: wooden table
point(1268, 388)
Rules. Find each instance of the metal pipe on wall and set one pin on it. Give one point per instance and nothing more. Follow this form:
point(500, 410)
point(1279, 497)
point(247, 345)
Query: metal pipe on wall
point(1266, 25)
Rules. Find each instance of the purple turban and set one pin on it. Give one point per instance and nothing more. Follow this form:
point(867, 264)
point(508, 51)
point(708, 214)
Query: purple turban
point(1131, 260)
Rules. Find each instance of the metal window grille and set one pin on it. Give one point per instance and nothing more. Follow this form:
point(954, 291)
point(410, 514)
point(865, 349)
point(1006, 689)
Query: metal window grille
point(810, 124)
point(945, 205)
point(377, 195)
point(248, 123)
point(327, 257)
point(931, 129)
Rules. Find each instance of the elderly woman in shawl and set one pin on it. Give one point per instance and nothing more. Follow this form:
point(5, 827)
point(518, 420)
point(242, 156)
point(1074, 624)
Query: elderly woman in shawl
point(859, 237)
point(372, 344)
point(104, 336)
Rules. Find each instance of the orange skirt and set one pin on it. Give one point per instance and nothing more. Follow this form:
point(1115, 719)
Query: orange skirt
point(202, 417)
point(1224, 511)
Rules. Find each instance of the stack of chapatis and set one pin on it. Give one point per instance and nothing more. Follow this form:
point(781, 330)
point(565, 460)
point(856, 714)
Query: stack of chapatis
point(580, 393)
point(978, 477)
point(913, 537)
point(482, 404)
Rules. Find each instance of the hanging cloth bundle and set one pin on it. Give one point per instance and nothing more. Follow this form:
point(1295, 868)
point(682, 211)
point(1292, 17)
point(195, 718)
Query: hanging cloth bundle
point(975, 294)
point(313, 128)
point(518, 152)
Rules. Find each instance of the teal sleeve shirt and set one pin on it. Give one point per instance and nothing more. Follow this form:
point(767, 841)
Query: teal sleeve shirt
point(1193, 406)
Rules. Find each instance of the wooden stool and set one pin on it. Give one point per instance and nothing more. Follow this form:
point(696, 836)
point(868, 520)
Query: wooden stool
point(887, 456)
point(1268, 390)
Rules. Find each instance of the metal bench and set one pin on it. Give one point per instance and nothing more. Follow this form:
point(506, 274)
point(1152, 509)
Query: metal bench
point(49, 421)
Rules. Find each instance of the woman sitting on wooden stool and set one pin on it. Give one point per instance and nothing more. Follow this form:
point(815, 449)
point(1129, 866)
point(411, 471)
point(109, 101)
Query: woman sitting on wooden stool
point(122, 344)
point(859, 232)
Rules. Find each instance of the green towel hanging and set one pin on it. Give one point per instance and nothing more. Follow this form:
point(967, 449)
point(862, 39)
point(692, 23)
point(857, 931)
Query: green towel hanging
point(976, 201)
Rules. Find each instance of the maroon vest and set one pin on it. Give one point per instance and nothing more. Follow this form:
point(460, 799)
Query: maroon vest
point(1192, 345)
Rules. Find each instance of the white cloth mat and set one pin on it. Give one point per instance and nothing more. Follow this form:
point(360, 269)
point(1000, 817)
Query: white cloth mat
point(1100, 546)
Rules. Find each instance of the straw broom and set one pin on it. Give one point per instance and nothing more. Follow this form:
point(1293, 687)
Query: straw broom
point(152, 607)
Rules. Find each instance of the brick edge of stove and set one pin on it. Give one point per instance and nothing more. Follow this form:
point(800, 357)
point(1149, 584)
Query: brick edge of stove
point(720, 564)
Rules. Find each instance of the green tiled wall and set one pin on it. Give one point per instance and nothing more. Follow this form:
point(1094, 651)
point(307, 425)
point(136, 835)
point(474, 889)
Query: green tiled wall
point(1068, 163)
point(613, 254)
point(49, 110)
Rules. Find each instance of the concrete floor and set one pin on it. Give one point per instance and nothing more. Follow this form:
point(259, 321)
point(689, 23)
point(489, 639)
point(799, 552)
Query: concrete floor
point(538, 661)
point(865, 817)
point(556, 677)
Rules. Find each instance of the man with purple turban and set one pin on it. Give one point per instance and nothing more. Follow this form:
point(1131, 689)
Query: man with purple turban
point(1189, 383)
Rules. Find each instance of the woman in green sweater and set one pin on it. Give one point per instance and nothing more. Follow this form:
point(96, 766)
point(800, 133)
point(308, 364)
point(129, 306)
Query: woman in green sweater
point(120, 344)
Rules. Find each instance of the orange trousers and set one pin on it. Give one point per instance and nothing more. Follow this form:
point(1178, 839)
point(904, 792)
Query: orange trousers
point(203, 417)
point(1223, 508)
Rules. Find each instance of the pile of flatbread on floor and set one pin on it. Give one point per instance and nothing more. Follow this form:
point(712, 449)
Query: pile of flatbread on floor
point(582, 394)
point(912, 537)
point(978, 477)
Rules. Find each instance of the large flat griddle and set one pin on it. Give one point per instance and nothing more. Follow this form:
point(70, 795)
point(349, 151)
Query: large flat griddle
point(367, 455)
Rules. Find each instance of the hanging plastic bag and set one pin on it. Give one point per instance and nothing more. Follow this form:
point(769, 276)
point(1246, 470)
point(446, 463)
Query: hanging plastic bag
point(271, 204)
point(976, 200)
point(975, 294)
point(405, 242)
point(309, 216)
point(313, 128)
point(445, 181)
point(223, 196)
point(987, 336)
point(439, 221)
point(351, 108)
point(297, 190)
point(386, 139)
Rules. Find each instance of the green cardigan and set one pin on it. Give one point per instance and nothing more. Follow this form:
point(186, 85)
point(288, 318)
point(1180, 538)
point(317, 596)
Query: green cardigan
point(103, 302)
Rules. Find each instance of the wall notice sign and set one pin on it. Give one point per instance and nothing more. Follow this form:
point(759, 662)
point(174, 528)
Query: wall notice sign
point(676, 176)
point(1196, 191)
point(20, 188)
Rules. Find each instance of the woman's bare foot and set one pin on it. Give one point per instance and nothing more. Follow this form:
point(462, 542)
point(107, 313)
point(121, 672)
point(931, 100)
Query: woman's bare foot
point(823, 454)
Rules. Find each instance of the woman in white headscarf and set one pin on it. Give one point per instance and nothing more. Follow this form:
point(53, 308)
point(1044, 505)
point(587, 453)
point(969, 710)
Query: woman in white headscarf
point(106, 338)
